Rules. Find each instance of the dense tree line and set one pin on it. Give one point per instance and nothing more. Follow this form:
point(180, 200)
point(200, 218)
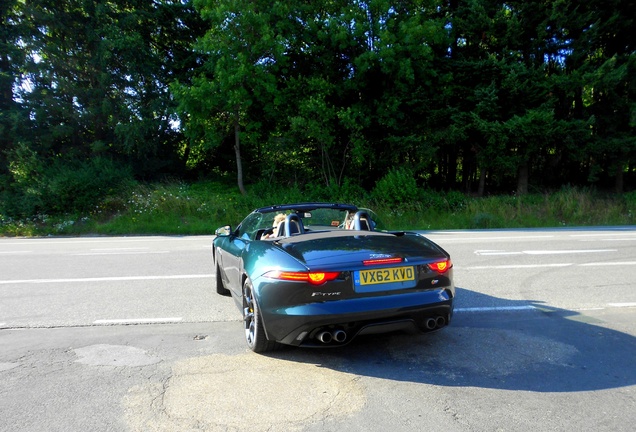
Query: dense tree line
point(481, 96)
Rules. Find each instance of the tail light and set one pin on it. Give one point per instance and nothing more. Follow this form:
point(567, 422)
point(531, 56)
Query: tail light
point(314, 278)
point(441, 266)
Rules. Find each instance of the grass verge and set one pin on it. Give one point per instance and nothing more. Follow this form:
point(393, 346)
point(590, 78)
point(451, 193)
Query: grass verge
point(199, 208)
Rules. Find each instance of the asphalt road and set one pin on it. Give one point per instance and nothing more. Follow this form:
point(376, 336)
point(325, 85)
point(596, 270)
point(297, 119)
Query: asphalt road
point(126, 334)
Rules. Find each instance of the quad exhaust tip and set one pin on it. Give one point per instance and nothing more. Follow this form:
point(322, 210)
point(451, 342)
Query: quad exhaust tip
point(327, 337)
point(435, 323)
point(440, 321)
point(339, 336)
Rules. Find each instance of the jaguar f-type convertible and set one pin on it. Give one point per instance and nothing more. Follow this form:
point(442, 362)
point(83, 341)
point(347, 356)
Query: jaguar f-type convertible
point(319, 274)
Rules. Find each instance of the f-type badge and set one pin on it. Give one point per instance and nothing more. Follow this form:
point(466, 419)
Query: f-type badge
point(380, 256)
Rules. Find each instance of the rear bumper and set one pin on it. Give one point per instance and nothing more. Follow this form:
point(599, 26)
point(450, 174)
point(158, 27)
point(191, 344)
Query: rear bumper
point(302, 324)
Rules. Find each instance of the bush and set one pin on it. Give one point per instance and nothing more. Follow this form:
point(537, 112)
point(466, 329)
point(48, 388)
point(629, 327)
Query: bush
point(75, 187)
point(63, 187)
point(265, 193)
point(630, 204)
point(21, 194)
point(348, 192)
point(455, 201)
point(442, 201)
point(397, 187)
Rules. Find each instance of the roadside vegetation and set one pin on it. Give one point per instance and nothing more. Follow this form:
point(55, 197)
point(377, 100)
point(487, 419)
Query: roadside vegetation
point(179, 208)
point(128, 117)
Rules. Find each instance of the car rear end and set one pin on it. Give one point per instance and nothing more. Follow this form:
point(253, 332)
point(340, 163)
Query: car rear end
point(346, 286)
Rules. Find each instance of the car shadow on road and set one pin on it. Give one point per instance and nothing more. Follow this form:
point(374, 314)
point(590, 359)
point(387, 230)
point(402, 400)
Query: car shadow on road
point(539, 348)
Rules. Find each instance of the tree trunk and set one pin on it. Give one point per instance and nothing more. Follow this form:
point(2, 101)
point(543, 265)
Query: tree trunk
point(482, 183)
point(522, 179)
point(237, 150)
point(6, 104)
point(619, 179)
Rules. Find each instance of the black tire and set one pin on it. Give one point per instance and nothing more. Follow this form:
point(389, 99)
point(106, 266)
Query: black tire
point(220, 288)
point(253, 323)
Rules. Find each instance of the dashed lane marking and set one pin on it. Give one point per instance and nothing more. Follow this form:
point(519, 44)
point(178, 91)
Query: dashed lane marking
point(532, 308)
point(138, 321)
point(495, 309)
point(120, 253)
point(534, 266)
point(104, 279)
point(511, 266)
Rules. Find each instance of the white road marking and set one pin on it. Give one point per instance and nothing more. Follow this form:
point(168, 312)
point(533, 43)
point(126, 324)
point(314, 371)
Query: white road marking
point(512, 266)
point(138, 321)
point(121, 253)
point(533, 266)
point(119, 249)
point(104, 279)
point(107, 240)
point(495, 308)
point(537, 308)
point(445, 238)
point(15, 252)
point(172, 320)
point(496, 253)
point(565, 252)
point(605, 234)
point(609, 239)
point(541, 252)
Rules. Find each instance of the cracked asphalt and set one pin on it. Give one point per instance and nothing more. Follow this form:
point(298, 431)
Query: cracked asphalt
point(543, 340)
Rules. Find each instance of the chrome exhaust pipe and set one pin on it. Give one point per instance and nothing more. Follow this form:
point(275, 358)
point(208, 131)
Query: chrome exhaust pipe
point(339, 336)
point(324, 337)
point(431, 323)
point(440, 321)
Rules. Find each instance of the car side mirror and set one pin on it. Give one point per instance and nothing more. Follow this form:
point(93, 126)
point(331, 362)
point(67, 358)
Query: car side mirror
point(224, 231)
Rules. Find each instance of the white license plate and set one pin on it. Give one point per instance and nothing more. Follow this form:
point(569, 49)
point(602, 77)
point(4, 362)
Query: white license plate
point(385, 275)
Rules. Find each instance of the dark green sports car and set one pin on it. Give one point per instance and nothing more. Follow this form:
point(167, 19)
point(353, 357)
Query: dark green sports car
point(319, 274)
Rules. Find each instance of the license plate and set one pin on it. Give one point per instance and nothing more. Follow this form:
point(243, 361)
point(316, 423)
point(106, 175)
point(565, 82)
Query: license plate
point(386, 275)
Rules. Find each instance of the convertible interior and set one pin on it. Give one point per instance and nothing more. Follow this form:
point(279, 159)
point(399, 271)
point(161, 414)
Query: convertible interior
point(293, 225)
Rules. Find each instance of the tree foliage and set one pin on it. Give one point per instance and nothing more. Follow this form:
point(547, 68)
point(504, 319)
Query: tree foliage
point(480, 96)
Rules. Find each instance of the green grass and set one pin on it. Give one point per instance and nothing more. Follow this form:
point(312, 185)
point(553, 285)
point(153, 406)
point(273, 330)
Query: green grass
point(199, 208)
